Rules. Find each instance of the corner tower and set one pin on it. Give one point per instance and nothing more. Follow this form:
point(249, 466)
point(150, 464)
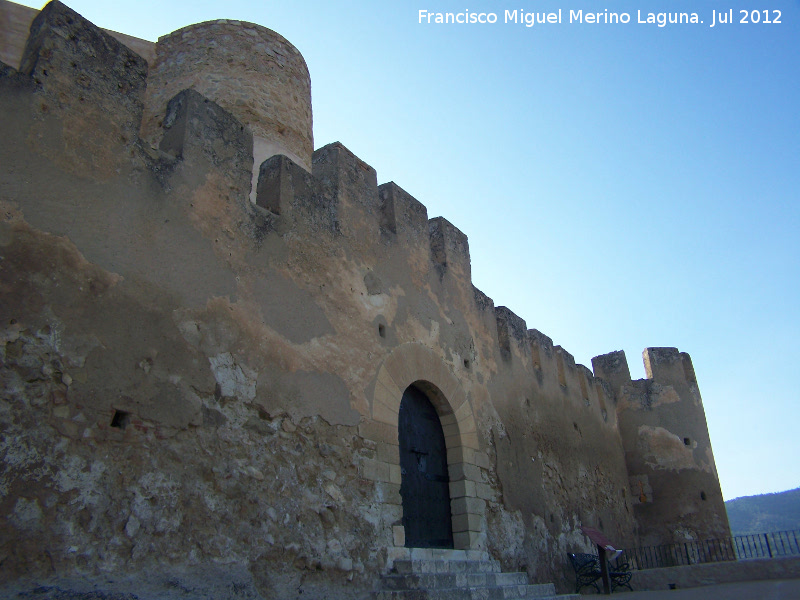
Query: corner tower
point(250, 71)
point(673, 477)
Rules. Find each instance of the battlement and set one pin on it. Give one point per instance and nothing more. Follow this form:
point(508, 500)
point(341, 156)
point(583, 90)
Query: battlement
point(201, 99)
point(665, 366)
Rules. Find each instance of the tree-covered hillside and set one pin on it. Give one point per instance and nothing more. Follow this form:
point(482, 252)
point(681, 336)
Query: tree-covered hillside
point(767, 512)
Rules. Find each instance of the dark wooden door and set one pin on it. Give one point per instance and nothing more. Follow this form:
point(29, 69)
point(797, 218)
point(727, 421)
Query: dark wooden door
point(425, 487)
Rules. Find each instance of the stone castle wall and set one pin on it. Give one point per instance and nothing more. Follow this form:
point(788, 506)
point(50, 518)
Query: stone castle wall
point(191, 380)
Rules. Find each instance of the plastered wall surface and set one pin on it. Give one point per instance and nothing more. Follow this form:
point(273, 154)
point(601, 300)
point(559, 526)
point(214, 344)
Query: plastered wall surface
point(202, 368)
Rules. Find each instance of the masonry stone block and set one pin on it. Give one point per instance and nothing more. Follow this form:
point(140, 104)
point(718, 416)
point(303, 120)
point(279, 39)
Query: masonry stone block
point(465, 505)
point(448, 419)
point(465, 539)
point(378, 432)
point(469, 440)
point(389, 453)
point(485, 491)
point(411, 215)
point(467, 471)
point(384, 414)
point(395, 475)
point(460, 454)
point(480, 459)
point(388, 493)
point(397, 365)
point(464, 411)
point(399, 535)
point(467, 425)
point(451, 429)
point(461, 488)
point(390, 384)
point(376, 470)
point(391, 514)
point(467, 522)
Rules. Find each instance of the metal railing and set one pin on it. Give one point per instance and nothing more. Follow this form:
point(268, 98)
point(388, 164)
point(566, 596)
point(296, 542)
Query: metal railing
point(740, 547)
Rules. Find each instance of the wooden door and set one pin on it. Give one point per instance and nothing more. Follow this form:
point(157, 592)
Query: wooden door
point(425, 487)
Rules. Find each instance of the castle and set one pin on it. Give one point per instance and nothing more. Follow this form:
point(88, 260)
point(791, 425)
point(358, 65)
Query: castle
point(229, 356)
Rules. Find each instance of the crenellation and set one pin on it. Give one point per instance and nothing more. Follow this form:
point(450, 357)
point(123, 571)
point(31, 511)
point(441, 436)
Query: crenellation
point(482, 301)
point(16, 21)
point(542, 341)
point(569, 360)
point(347, 175)
point(562, 363)
point(282, 183)
point(196, 127)
point(664, 365)
point(402, 214)
point(387, 193)
point(613, 368)
point(688, 369)
point(80, 69)
point(510, 327)
point(449, 250)
point(353, 186)
point(585, 380)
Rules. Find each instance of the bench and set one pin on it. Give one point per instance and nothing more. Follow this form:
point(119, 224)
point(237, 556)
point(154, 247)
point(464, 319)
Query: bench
point(587, 572)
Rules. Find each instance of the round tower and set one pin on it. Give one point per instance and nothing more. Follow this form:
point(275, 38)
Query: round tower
point(249, 70)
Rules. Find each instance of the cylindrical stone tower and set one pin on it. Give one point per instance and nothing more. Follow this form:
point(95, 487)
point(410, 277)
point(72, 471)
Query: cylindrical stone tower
point(249, 70)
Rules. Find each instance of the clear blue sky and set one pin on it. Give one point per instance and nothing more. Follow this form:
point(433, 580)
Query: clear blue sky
point(622, 186)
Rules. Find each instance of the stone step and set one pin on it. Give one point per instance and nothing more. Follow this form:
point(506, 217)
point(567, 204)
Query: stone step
point(415, 581)
point(435, 574)
point(505, 592)
point(408, 566)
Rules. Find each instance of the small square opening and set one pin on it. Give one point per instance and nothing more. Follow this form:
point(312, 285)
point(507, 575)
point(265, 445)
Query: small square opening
point(120, 419)
point(687, 442)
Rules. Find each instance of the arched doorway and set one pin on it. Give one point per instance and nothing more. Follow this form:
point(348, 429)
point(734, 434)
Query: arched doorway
point(425, 484)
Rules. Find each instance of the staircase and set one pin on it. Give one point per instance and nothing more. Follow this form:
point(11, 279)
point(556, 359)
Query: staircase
point(458, 575)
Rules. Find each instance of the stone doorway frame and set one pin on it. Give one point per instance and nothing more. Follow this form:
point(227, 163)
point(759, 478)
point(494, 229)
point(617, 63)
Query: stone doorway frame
point(418, 365)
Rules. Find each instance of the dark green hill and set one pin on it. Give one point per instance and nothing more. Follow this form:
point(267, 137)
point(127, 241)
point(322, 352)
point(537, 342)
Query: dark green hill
point(767, 512)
